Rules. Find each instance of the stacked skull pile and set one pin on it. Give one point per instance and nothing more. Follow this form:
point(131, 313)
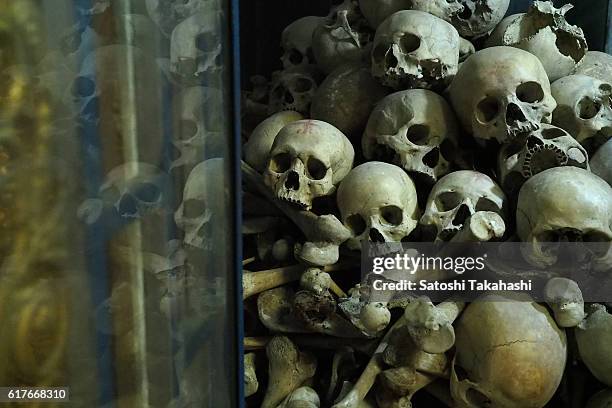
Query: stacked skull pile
point(410, 120)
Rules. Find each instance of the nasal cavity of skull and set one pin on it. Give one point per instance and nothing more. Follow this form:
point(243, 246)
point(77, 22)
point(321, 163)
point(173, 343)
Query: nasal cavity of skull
point(568, 45)
point(280, 163)
point(605, 89)
point(447, 201)
point(301, 85)
point(477, 398)
point(418, 134)
point(376, 236)
point(83, 87)
point(432, 158)
point(588, 108)
point(356, 223)
point(193, 208)
point(293, 181)
point(392, 214)
point(487, 110)
point(514, 114)
point(316, 169)
point(530, 92)
point(410, 43)
point(461, 215)
point(128, 206)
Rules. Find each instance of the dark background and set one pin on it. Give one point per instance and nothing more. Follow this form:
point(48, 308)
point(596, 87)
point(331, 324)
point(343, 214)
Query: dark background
point(262, 21)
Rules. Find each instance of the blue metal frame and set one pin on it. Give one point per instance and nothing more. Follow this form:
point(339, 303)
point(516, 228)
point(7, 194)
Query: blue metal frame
point(237, 179)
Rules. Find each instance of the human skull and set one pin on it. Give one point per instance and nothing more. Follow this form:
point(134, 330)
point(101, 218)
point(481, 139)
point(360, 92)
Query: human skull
point(342, 37)
point(501, 93)
point(544, 32)
point(509, 354)
point(596, 64)
point(198, 122)
point(195, 47)
point(601, 163)
point(257, 148)
point(544, 148)
point(293, 89)
point(308, 159)
point(204, 200)
point(584, 109)
point(346, 97)
point(167, 14)
point(296, 41)
point(415, 49)
point(471, 18)
point(594, 336)
point(378, 203)
point(565, 204)
point(456, 197)
point(413, 129)
point(134, 189)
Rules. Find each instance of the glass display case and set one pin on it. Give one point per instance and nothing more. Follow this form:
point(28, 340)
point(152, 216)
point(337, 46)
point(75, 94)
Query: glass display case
point(118, 203)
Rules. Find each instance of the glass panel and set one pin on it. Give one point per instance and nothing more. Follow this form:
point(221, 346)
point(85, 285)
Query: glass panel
point(116, 201)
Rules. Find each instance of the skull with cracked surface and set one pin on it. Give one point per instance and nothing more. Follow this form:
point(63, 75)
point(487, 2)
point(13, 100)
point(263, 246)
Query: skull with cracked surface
point(502, 93)
point(456, 197)
point(414, 49)
point(414, 129)
point(584, 109)
point(509, 354)
point(544, 148)
point(308, 159)
point(378, 203)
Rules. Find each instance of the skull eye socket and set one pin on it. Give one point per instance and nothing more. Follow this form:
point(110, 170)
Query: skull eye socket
point(410, 43)
point(447, 201)
point(392, 214)
point(193, 208)
point(418, 134)
point(356, 223)
point(485, 204)
point(147, 192)
point(599, 243)
point(205, 41)
point(280, 163)
point(487, 110)
point(316, 169)
point(605, 89)
point(588, 108)
point(301, 85)
point(295, 57)
point(188, 129)
point(553, 133)
point(83, 87)
point(530, 92)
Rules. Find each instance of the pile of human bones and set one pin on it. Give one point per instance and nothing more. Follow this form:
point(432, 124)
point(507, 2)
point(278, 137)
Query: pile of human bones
point(417, 120)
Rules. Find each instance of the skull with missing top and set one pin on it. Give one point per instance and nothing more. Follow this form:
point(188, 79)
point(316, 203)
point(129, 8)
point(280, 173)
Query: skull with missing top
point(204, 200)
point(502, 93)
point(584, 109)
point(544, 148)
point(414, 49)
point(378, 202)
point(135, 189)
point(308, 160)
point(456, 197)
point(565, 204)
point(414, 129)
